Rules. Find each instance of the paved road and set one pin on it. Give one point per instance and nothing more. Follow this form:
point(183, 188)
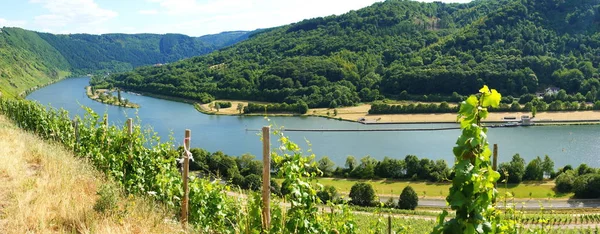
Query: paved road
point(521, 203)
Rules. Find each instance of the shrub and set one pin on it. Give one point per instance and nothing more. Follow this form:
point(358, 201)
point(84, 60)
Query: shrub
point(107, 201)
point(534, 170)
point(584, 169)
point(362, 194)
point(223, 104)
point(587, 186)
point(252, 182)
point(408, 199)
point(275, 188)
point(328, 193)
point(564, 182)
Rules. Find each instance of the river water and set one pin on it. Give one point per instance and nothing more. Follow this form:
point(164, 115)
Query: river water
point(236, 135)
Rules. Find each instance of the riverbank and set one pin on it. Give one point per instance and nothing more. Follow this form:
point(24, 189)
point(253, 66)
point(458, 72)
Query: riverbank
point(361, 112)
point(393, 188)
point(44, 188)
point(104, 96)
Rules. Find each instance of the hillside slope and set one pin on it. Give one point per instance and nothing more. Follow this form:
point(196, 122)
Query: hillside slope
point(45, 189)
point(29, 59)
point(26, 60)
point(517, 46)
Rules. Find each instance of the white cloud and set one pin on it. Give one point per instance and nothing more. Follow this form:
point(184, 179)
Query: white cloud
point(77, 15)
point(12, 23)
point(148, 12)
point(199, 17)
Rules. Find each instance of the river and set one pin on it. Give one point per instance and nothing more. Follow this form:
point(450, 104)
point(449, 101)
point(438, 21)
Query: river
point(230, 134)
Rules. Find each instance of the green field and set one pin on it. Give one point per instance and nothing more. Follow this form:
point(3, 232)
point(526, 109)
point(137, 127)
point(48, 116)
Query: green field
point(427, 189)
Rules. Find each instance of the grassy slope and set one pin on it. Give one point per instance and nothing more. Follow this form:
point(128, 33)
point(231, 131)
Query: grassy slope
point(45, 189)
point(26, 61)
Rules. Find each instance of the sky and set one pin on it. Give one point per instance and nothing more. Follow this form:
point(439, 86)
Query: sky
point(190, 17)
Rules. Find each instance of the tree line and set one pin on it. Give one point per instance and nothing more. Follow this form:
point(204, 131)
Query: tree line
point(433, 51)
point(299, 107)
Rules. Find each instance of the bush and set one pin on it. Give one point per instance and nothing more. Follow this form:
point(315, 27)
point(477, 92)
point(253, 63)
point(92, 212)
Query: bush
point(223, 104)
point(275, 188)
point(584, 169)
point(329, 193)
point(564, 182)
point(252, 182)
point(107, 201)
point(362, 194)
point(408, 199)
point(587, 186)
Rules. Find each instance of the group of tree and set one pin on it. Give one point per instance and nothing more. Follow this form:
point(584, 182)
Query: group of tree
point(583, 181)
point(517, 170)
point(411, 167)
point(363, 194)
point(299, 107)
point(382, 108)
point(433, 51)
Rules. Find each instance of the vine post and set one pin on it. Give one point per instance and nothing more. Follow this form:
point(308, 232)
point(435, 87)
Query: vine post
point(76, 127)
point(266, 186)
point(105, 121)
point(495, 165)
point(130, 134)
point(186, 169)
point(389, 224)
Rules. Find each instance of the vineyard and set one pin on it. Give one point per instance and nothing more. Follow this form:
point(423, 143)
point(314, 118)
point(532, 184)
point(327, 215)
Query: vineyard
point(143, 165)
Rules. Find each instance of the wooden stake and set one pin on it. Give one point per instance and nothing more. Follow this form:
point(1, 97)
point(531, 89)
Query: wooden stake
point(266, 188)
point(495, 162)
point(130, 133)
point(389, 224)
point(76, 126)
point(186, 168)
point(130, 126)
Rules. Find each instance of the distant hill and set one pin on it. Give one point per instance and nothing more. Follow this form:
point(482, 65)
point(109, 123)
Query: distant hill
point(31, 58)
point(225, 39)
point(426, 49)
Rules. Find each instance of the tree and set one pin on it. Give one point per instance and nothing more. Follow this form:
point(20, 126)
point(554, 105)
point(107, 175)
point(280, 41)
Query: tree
point(412, 165)
point(564, 182)
point(366, 169)
point(211, 106)
point(516, 169)
point(240, 107)
point(217, 106)
point(328, 193)
point(408, 199)
point(584, 169)
point(548, 166)
point(362, 194)
point(587, 186)
point(533, 111)
point(119, 95)
point(534, 170)
point(350, 163)
point(326, 166)
point(252, 182)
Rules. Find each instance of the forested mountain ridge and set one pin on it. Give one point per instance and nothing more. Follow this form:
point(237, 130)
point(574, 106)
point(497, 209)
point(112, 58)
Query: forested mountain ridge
point(392, 46)
point(31, 58)
point(27, 60)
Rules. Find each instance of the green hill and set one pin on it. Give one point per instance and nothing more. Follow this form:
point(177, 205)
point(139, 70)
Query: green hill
point(30, 58)
point(433, 49)
point(27, 60)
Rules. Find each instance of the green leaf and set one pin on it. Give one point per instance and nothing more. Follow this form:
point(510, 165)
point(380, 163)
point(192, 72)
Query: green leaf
point(492, 99)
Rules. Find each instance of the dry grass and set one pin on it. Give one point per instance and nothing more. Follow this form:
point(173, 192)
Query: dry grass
point(45, 189)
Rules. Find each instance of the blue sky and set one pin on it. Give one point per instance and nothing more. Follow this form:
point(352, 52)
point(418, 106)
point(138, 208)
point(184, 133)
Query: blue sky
point(191, 17)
